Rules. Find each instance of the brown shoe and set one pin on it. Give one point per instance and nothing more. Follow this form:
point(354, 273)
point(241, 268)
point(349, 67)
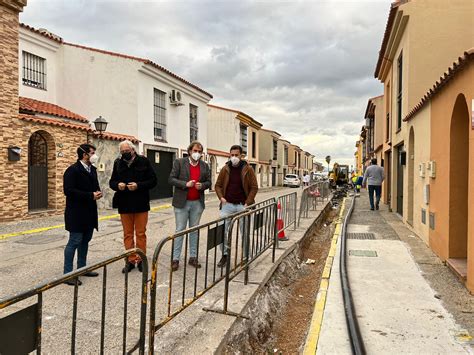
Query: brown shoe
point(175, 265)
point(194, 262)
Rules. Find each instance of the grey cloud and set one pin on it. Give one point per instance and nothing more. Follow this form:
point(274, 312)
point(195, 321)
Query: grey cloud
point(303, 68)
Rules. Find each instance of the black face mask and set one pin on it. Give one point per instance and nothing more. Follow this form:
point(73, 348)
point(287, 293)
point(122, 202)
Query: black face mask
point(127, 156)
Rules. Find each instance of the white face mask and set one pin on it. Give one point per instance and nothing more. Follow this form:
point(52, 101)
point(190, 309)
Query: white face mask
point(196, 156)
point(235, 160)
point(94, 159)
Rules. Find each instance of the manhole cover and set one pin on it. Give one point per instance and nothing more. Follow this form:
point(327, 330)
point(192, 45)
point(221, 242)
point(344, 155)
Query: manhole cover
point(361, 236)
point(366, 253)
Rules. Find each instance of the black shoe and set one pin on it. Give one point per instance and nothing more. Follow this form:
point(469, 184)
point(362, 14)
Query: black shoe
point(91, 274)
point(223, 261)
point(73, 282)
point(193, 261)
point(371, 208)
point(376, 207)
point(128, 267)
point(140, 266)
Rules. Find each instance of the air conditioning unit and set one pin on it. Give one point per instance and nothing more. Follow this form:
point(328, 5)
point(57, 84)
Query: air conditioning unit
point(432, 169)
point(176, 98)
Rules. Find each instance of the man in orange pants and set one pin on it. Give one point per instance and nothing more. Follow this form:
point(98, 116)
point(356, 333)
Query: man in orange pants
point(132, 178)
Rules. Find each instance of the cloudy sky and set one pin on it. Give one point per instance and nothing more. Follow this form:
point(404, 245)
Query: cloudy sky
point(302, 68)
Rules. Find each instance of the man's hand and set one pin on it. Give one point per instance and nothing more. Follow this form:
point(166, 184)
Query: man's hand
point(190, 183)
point(198, 186)
point(121, 186)
point(97, 195)
point(132, 186)
point(223, 200)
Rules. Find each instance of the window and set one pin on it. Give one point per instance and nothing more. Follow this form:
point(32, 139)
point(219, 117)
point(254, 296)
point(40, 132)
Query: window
point(193, 123)
point(254, 144)
point(372, 134)
point(275, 150)
point(387, 109)
point(34, 71)
point(286, 156)
point(243, 138)
point(399, 93)
point(159, 106)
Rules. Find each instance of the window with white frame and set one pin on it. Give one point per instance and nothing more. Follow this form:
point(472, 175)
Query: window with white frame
point(193, 122)
point(243, 138)
point(34, 71)
point(159, 107)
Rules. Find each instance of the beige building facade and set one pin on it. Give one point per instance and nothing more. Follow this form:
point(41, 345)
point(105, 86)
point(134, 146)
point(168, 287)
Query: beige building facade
point(426, 108)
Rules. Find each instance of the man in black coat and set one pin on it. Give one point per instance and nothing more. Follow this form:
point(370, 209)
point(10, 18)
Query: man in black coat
point(132, 178)
point(82, 190)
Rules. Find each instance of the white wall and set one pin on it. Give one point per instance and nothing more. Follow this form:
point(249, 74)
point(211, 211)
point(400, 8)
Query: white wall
point(177, 117)
point(223, 129)
point(96, 84)
point(45, 48)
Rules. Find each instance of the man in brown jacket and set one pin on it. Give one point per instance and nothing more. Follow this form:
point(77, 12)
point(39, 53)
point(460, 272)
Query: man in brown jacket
point(236, 188)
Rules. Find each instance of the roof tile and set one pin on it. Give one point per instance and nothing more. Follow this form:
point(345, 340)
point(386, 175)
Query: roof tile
point(36, 106)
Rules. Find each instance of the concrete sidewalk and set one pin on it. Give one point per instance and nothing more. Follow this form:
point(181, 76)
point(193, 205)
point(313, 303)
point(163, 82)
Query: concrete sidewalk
point(397, 310)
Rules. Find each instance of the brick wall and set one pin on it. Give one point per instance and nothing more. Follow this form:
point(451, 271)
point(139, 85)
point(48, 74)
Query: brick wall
point(9, 95)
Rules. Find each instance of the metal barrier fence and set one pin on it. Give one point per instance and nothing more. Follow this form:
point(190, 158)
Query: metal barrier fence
point(184, 285)
point(21, 331)
point(318, 191)
point(286, 208)
point(242, 236)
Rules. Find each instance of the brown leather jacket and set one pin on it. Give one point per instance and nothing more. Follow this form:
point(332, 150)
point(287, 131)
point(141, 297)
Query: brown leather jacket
point(249, 182)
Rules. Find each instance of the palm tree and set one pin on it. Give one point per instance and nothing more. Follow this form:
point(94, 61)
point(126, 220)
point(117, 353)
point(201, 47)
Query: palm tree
point(328, 160)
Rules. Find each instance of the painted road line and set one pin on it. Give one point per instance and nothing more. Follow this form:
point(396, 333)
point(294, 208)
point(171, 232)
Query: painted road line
point(45, 229)
point(312, 339)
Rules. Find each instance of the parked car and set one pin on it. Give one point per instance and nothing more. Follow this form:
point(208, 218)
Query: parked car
point(291, 180)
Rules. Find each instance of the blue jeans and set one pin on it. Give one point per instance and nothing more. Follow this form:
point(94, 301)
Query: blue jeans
point(79, 241)
point(191, 212)
point(228, 209)
point(378, 191)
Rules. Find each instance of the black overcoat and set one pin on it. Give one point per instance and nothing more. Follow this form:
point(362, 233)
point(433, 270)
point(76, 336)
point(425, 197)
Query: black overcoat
point(141, 172)
point(81, 208)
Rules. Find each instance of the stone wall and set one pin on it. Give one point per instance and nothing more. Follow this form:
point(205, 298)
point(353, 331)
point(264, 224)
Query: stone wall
point(108, 151)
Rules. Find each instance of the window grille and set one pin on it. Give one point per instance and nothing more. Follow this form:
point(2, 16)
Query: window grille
point(159, 106)
point(193, 123)
point(34, 71)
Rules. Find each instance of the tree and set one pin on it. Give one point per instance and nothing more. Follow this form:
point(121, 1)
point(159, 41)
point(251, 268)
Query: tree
point(328, 160)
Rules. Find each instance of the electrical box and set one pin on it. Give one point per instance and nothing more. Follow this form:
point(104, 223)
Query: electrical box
point(426, 194)
point(14, 153)
point(432, 169)
point(101, 167)
point(421, 169)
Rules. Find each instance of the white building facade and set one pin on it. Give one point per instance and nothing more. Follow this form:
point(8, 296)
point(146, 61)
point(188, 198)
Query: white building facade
point(136, 96)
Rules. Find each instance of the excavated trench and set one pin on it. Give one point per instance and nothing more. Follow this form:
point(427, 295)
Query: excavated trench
point(280, 312)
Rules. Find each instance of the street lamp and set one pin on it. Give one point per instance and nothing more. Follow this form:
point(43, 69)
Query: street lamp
point(100, 125)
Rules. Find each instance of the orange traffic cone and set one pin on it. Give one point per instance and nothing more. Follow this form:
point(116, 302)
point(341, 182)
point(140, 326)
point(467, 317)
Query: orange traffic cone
point(280, 224)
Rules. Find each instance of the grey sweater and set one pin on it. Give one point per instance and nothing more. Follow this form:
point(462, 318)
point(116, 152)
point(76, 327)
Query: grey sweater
point(374, 175)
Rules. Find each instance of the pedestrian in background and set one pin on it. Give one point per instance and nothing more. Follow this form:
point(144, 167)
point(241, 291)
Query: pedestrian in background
point(82, 190)
point(190, 177)
point(373, 177)
point(132, 178)
point(236, 188)
point(306, 179)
